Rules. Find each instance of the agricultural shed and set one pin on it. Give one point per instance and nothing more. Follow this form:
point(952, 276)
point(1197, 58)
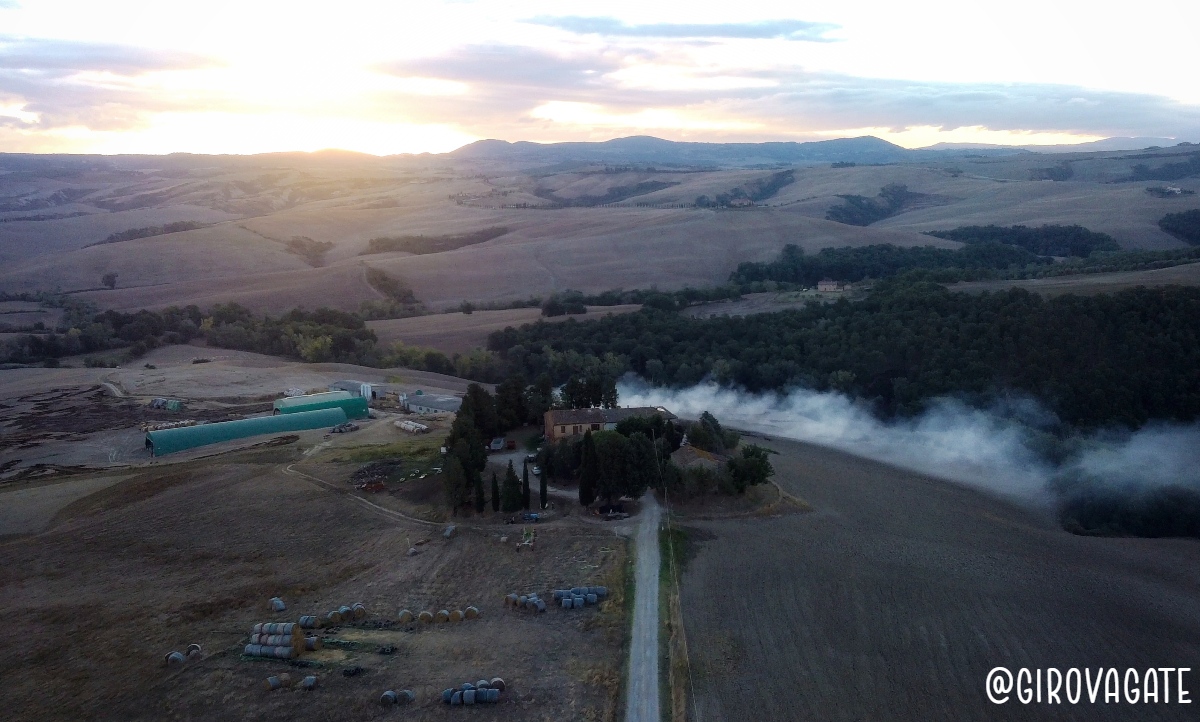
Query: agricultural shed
point(169, 441)
point(354, 406)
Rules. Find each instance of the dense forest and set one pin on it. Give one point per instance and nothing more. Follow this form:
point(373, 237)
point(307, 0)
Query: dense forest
point(149, 231)
point(972, 262)
point(1048, 240)
point(1125, 358)
point(1185, 226)
point(1167, 171)
point(420, 245)
point(862, 211)
point(615, 194)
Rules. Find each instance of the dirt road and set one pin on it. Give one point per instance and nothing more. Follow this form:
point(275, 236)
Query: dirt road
point(642, 701)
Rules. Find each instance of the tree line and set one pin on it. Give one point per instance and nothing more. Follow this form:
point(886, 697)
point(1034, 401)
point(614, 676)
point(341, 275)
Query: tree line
point(1047, 240)
point(1122, 358)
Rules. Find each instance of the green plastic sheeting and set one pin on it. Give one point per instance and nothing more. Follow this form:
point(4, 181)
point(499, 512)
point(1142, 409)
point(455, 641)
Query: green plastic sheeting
point(354, 406)
point(168, 441)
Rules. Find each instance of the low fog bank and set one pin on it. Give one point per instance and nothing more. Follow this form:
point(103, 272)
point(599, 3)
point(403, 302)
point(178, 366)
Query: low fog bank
point(1105, 483)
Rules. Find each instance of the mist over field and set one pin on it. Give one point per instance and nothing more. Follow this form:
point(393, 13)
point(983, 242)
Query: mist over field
point(1000, 450)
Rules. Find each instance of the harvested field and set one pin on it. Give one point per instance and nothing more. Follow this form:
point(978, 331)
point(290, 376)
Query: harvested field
point(898, 594)
point(1090, 284)
point(191, 552)
point(461, 332)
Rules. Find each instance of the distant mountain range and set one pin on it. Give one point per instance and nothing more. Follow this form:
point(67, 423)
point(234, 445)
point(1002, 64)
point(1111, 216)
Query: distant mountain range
point(647, 149)
point(1106, 144)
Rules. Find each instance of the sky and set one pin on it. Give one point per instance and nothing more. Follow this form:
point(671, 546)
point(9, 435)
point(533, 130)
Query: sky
point(384, 77)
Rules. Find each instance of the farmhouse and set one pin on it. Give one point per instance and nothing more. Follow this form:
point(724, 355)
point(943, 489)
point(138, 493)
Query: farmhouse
point(565, 423)
point(688, 456)
point(827, 284)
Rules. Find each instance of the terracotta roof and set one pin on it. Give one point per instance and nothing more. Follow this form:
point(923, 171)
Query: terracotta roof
point(602, 416)
point(686, 456)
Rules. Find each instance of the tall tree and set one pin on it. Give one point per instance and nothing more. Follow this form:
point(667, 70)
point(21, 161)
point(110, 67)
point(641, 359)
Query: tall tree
point(542, 491)
point(495, 493)
point(643, 465)
point(483, 411)
point(612, 459)
point(750, 468)
point(454, 484)
point(480, 502)
point(539, 398)
point(589, 470)
point(510, 493)
point(525, 500)
point(510, 403)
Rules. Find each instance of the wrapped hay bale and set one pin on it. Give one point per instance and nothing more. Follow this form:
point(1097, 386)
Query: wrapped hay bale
point(446, 695)
point(566, 603)
point(193, 651)
point(333, 619)
point(466, 686)
point(578, 591)
point(442, 616)
point(469, 696)
point(541, 606)
point(521, 601)
point(577, 602)
point(456, 615)
point(426, 617)
point(511, 600)
point(389, 698)
point(407, 696)
point(591, 599)
point(497, 684)
point(482, 684)
point(277, 604)
point(308, 683)
point(359, 611)
point(312, 644)
point(308, 621)
point(471, 613)
point(558, 594)
point(405, 616)
point(278, 682)
point(346, 612)
point(174, 659)
point(600, 592)
point(456, 698)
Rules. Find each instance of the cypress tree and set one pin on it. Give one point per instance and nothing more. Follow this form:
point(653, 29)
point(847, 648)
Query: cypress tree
point(589, 470)
point(495, 493)
point(525, 487)
point(510, 493)
point(542, 488)
point(479, 501)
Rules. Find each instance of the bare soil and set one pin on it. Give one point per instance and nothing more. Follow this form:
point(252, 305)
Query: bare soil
point(461, 332)
point(190, 553)
point(898, 594)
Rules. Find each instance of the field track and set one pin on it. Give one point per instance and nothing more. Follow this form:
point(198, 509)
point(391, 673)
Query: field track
point(898, 594)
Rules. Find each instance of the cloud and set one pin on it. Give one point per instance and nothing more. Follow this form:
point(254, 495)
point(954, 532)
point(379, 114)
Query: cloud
point(509, 83)
point(63, 83)
point(56, 57)
point(761, 30)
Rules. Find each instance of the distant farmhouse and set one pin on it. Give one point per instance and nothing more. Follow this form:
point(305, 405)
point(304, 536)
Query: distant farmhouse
point(420, 403)
point(826, 284)
point(565, 423)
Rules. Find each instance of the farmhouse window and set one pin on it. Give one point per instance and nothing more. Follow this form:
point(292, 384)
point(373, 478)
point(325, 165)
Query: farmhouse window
point(595, 427)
